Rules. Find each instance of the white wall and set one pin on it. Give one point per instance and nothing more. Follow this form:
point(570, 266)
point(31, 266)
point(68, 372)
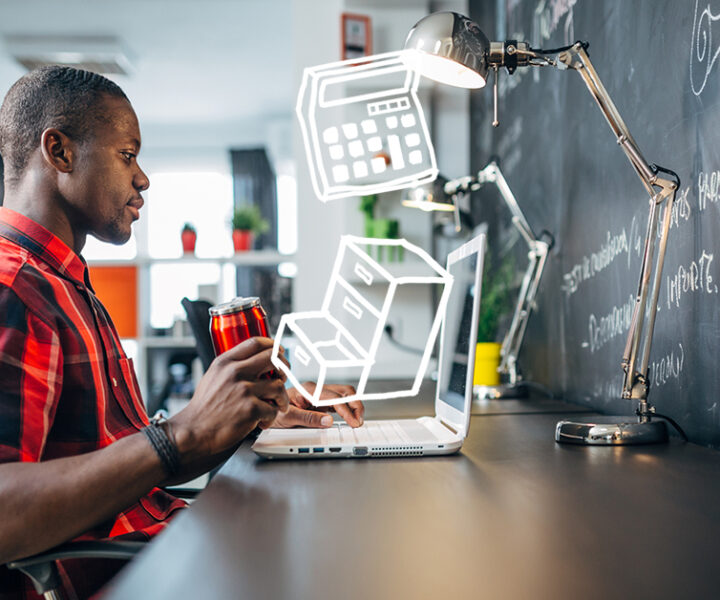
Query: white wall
point(320, 225)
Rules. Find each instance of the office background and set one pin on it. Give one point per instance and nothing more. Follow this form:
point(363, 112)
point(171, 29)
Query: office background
point(214, 86)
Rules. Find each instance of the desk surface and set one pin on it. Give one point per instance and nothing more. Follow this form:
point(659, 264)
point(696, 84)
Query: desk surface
point(513, 515)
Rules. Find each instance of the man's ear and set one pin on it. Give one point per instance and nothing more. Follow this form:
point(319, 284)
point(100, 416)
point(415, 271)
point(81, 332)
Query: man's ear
point(57, 150)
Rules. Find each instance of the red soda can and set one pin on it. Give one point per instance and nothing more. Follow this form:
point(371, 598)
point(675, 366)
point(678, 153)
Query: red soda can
point(235, 321)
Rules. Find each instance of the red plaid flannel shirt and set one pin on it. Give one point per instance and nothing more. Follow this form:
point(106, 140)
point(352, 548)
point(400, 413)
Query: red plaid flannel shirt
point(66, 385)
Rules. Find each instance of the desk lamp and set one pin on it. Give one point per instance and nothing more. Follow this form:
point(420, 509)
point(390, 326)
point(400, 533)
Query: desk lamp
point(537, 255)
point(452, 49)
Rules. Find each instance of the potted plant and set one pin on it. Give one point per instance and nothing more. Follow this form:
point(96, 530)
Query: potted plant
point(495, 305)
point(247, 222)
point(188, 237)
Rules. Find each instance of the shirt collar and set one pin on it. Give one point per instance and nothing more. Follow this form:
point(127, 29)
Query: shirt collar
point(43, 244)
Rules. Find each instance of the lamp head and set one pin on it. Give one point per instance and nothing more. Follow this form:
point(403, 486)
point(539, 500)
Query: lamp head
point(449, 48)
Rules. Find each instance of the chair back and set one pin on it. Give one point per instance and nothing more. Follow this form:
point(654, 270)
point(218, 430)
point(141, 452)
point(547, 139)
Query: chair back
point(199, 319)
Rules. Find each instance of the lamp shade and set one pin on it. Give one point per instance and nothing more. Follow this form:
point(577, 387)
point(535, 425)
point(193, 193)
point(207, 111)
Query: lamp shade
point(449, 48)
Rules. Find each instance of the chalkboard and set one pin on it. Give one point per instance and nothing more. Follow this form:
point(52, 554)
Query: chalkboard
point(659, 61)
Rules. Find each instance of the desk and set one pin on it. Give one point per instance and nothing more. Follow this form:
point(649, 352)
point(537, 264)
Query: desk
point(512, 516)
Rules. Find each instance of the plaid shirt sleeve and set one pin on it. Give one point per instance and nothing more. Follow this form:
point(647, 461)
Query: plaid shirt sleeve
point(31, 367)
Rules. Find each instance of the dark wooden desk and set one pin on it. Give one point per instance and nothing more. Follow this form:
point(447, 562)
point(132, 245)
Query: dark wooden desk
point(513, 515)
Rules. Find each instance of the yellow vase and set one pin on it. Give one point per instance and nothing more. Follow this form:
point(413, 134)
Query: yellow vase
point(487, 361)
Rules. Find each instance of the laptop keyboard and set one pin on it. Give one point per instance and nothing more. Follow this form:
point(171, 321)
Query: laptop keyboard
point(377, 432)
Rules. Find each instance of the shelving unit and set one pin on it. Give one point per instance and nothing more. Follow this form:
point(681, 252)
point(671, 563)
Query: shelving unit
point(151, 348)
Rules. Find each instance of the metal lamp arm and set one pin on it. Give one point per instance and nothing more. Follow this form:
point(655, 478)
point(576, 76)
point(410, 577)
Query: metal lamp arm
point(662, 192)
point(577, 58)
point(492, 174)
point(636, 357)
point(537, 256)
point(513, 339)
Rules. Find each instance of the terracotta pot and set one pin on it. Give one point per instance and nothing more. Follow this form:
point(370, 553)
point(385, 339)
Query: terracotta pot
point(188, 239)
point(242, 239)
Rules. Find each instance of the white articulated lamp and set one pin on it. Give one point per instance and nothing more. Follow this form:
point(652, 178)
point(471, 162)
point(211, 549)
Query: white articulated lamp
point(452, 49)
point(512, 385)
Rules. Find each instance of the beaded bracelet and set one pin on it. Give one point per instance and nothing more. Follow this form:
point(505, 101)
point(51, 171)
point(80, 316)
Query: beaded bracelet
point(163, 445)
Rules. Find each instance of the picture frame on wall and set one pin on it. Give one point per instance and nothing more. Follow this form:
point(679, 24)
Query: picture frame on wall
point(356, 36)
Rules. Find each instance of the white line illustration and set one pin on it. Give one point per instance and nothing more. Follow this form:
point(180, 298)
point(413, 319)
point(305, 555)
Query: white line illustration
point(346, 334)
point(363, 127)
point(701, 51)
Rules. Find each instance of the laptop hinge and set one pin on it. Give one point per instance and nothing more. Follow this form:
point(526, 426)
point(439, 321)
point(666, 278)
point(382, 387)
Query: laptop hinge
point(448, 426)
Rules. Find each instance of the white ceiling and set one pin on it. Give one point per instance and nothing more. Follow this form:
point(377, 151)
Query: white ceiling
point(206, 72)
point(196, 63)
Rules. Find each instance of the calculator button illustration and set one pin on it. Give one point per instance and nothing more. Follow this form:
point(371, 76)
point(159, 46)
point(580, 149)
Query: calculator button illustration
point(364, 128)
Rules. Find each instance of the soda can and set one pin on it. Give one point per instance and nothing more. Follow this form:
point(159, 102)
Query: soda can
point(235, 321)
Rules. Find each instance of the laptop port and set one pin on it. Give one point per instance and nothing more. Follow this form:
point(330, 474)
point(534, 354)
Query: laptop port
point(334, 449)
point(360, 451)
point(318, 449)
point(303, 450)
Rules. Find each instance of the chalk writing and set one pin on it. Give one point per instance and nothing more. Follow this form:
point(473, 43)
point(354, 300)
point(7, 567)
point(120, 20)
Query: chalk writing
point(559, 8)
point(695, 278)
point(609, 389)
point(708, 188)
point(591, 265)
point(635, 239)
point(667, 367)
point(681, 210)
point(546, 18)
point(701, 48)
point(609, 326)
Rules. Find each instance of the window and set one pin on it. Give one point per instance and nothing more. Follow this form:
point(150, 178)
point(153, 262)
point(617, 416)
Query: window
point(202, 199)
point(205, 201)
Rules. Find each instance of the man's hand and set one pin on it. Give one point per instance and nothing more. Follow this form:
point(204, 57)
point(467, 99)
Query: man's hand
point(303, 414)
point(231, 399)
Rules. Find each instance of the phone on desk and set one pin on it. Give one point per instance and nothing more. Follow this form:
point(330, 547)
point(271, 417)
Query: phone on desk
point(364, 128)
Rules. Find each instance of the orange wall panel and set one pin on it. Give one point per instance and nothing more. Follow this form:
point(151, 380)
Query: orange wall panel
point(117, 288)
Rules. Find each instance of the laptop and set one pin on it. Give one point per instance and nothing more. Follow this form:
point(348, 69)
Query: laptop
point(442, 433)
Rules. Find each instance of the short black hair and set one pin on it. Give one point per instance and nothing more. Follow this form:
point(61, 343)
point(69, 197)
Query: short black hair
point(61, 97)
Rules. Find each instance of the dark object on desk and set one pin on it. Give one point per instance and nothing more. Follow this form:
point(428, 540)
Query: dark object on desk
point(199, 319)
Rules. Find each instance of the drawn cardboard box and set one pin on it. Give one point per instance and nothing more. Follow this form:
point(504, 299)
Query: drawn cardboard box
point(343, 339)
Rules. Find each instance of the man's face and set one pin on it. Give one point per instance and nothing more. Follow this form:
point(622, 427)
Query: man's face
point(106, 190)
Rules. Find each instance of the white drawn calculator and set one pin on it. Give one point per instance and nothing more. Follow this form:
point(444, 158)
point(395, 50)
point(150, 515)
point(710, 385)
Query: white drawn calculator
point(364, 128)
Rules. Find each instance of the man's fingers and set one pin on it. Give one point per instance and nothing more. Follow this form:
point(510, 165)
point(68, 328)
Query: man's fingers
point(298, 399)
point(248, 348)
point(299, 417)
point(282, 357)
point(358, 409)
point(272, 389)
point(253, 366)
point(351, 412)
point(350, 416)
point(262, 411)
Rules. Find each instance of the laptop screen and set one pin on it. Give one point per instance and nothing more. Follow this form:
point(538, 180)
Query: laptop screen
point(457, 334)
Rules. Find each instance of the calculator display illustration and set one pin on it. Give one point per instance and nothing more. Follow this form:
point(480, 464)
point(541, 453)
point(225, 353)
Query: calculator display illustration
point(364, 128)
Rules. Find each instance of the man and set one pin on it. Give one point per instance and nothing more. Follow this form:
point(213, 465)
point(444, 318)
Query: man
point(77, 454)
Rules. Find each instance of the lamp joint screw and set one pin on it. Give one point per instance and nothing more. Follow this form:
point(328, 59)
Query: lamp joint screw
point(511, 49)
